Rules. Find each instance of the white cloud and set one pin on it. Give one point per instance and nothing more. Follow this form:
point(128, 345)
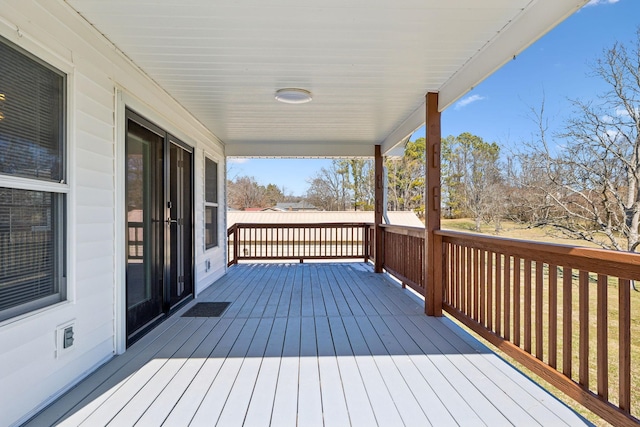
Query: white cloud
point(612, 134)
point(599, 2)
point(468, 100)
point(607, 119)
point(621, 112)
point(237, 160)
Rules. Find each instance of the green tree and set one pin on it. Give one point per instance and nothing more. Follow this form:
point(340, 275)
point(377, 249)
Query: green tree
point(405, 179)
point(361, 184)
point(273, 195)
point(472, 183)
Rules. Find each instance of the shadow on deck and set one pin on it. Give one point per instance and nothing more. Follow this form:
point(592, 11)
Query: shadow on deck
point(308, 344)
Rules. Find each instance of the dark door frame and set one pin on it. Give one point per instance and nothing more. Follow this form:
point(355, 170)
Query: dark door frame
point(167, 308)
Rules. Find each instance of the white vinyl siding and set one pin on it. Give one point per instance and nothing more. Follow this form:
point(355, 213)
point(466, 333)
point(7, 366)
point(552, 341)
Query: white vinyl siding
point(31, 372)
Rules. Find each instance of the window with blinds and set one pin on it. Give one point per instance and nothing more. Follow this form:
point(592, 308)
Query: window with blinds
point(210, 203)
point(32, 118)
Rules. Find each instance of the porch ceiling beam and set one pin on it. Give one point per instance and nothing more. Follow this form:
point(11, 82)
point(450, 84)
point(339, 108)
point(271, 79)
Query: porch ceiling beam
point(539, 18)
point(293, 149)
point(410, 125)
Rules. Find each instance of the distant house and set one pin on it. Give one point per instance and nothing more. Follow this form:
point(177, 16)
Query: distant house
point(295, 207)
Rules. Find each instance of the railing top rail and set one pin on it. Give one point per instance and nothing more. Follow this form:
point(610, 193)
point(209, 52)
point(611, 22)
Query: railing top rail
point(301, 225)
point(613, 263)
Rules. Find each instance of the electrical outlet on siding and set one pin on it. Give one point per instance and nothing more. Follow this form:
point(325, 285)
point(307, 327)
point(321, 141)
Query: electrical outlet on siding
point(65, 338)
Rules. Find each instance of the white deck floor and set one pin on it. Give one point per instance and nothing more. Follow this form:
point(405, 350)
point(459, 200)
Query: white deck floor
point(308, 345)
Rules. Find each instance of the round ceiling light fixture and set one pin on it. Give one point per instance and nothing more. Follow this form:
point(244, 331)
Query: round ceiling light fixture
point(292, 95)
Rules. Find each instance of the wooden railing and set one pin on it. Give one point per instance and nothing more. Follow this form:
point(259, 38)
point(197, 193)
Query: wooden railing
point(298, 241)
point(553, 309)
point(135, 240)
point(563, 312)
point(404, 254)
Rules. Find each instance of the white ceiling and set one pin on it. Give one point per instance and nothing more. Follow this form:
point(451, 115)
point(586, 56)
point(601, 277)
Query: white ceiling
point(368, 63)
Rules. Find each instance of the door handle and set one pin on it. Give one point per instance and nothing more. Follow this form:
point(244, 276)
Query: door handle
point(171, 221)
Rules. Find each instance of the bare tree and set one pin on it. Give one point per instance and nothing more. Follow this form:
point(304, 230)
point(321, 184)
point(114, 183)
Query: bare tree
point(327, 188)
point(593, 176)
point(245, 192)
point(345, 184)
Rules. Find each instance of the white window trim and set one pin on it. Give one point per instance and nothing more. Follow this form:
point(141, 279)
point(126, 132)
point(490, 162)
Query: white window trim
point(206, 204)
point(65, 66)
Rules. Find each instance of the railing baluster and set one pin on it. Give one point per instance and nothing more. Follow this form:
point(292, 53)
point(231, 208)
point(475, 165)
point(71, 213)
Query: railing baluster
point(567, 316)
point(624, 325)
point(352, 251)
point(459, 286)
point(553, 315)
point(602, 337)
point(583, 297)
point(517, 309)
point(539, 294)
point(455, 297)
point(527, 304)
point(476, 284)
point(448, 273)
point(507, 296)
point(498, 294)
point(483, 291)
point(490, 258)
point(469, 279)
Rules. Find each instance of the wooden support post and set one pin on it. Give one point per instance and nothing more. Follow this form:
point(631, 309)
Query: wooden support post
point(379, 204)
point(433, 250)
point(236, 244)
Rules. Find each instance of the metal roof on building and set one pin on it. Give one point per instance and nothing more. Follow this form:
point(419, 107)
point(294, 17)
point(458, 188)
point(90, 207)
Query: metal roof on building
point(397, 218)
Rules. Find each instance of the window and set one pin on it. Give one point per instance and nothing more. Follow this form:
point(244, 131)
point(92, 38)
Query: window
point(32, 182)
point(210, 203)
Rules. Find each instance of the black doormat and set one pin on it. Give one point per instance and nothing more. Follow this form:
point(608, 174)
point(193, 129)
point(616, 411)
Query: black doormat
point(207, 309)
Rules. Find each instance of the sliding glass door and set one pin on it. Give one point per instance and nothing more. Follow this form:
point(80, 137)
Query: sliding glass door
point(159, 224)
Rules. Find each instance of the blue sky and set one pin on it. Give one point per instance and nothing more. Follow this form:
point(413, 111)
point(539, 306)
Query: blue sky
point(556, 68)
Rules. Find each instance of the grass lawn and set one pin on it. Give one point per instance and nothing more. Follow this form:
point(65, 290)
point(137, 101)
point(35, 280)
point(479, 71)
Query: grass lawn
point(512, 230)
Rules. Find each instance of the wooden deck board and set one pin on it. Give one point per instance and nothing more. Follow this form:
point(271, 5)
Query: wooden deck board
point(128, 388)
point(408, 405)
point(356, 397)
point(309, 391)
point(285, 403)
point(215, 398)
point(146, 395)
point(305, 345)
point(380, 396)
point(332, 390)
point(184, 410)
point(261, 403)
point(160, 409)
